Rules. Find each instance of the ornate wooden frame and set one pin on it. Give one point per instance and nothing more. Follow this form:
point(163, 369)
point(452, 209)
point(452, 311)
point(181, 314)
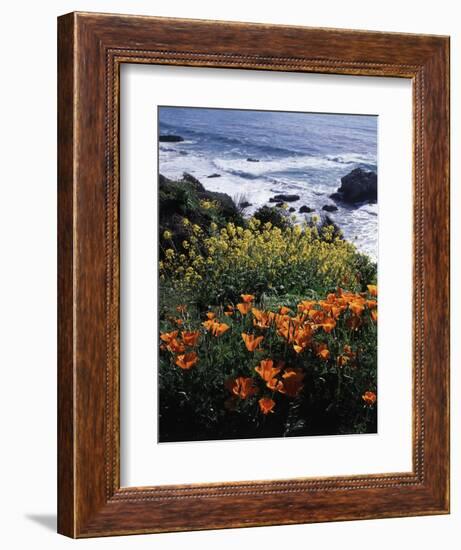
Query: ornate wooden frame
point(91, 48)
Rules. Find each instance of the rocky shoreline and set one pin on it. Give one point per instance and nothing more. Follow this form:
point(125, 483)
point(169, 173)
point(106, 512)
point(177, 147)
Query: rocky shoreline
point(186, 197)
point(350, 206)
point(358, 187)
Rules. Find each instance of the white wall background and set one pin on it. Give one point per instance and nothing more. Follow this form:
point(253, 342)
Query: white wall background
point(28, 271)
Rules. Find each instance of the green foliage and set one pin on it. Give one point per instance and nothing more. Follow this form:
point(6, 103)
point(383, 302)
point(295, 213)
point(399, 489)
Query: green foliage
point(210, 257)
point(196, 403)
point(273, 215)
point(217, 265)
point(188, 199)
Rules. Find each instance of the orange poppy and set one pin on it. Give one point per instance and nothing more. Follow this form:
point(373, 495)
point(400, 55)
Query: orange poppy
point(356, 307)
point(266, 369)
point(348, 351)
point(283, 310)
point(251, 342)
point(168, 336)
point(336, 311)
point(369, 397)
point(208, 324)
point(219, 329)
point(292, 382)
point(211, 315)
point(275, 384)
point(302, 338)
point(328, 324)
point(317, 315)
point(286, 329)
point(215, 327)
point(242, 386)
point(262, 319)
point(187, 360)
point(305, 305)
point(244, 308)
point(342, 360)
point(190, 338)
point(374, 315)
point(247, 298)
point(372, 304)
point(373, 290)
point(322, 351)
point(325, 304)
point(299, 319)
point(303, 317)
point(176, 347)
point(266, 405)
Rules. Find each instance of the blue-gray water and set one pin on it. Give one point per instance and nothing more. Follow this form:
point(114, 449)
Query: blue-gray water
point(301, 153)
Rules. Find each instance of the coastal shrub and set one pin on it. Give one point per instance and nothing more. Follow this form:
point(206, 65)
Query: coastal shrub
point(248, 370)
point(366, 271)
point(188, 199)
point(215, 265)
point(270, 214)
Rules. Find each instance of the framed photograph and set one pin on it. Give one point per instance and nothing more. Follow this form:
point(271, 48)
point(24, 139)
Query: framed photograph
point(237, 202)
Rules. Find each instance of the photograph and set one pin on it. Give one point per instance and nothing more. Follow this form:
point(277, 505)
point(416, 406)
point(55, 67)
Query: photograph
point(267, 277)
point(194, 242)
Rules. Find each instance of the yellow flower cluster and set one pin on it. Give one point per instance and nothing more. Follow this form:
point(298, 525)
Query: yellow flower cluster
point(209, 204)
point(263, 249)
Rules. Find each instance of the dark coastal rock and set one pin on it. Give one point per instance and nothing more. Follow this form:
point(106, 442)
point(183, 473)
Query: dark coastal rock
point(183, 153)
point(329, 208)
point(273, 215)
point(250, 159)
point(284, 198)
point(306, 210)
point(180, 199)
point(245, 204)
point(280, 205)
point(194, 182)
point(170, 138)
point(214, 176)
point(292, 209)
point(227, 206)
point(327, 221)
point(358, 186)
point(163, 180)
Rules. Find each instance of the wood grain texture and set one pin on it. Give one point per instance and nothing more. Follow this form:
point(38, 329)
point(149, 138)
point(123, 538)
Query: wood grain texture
point(66, 471)
point(91, 49)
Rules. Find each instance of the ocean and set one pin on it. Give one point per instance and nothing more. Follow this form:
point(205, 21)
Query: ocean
point(292, 153)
